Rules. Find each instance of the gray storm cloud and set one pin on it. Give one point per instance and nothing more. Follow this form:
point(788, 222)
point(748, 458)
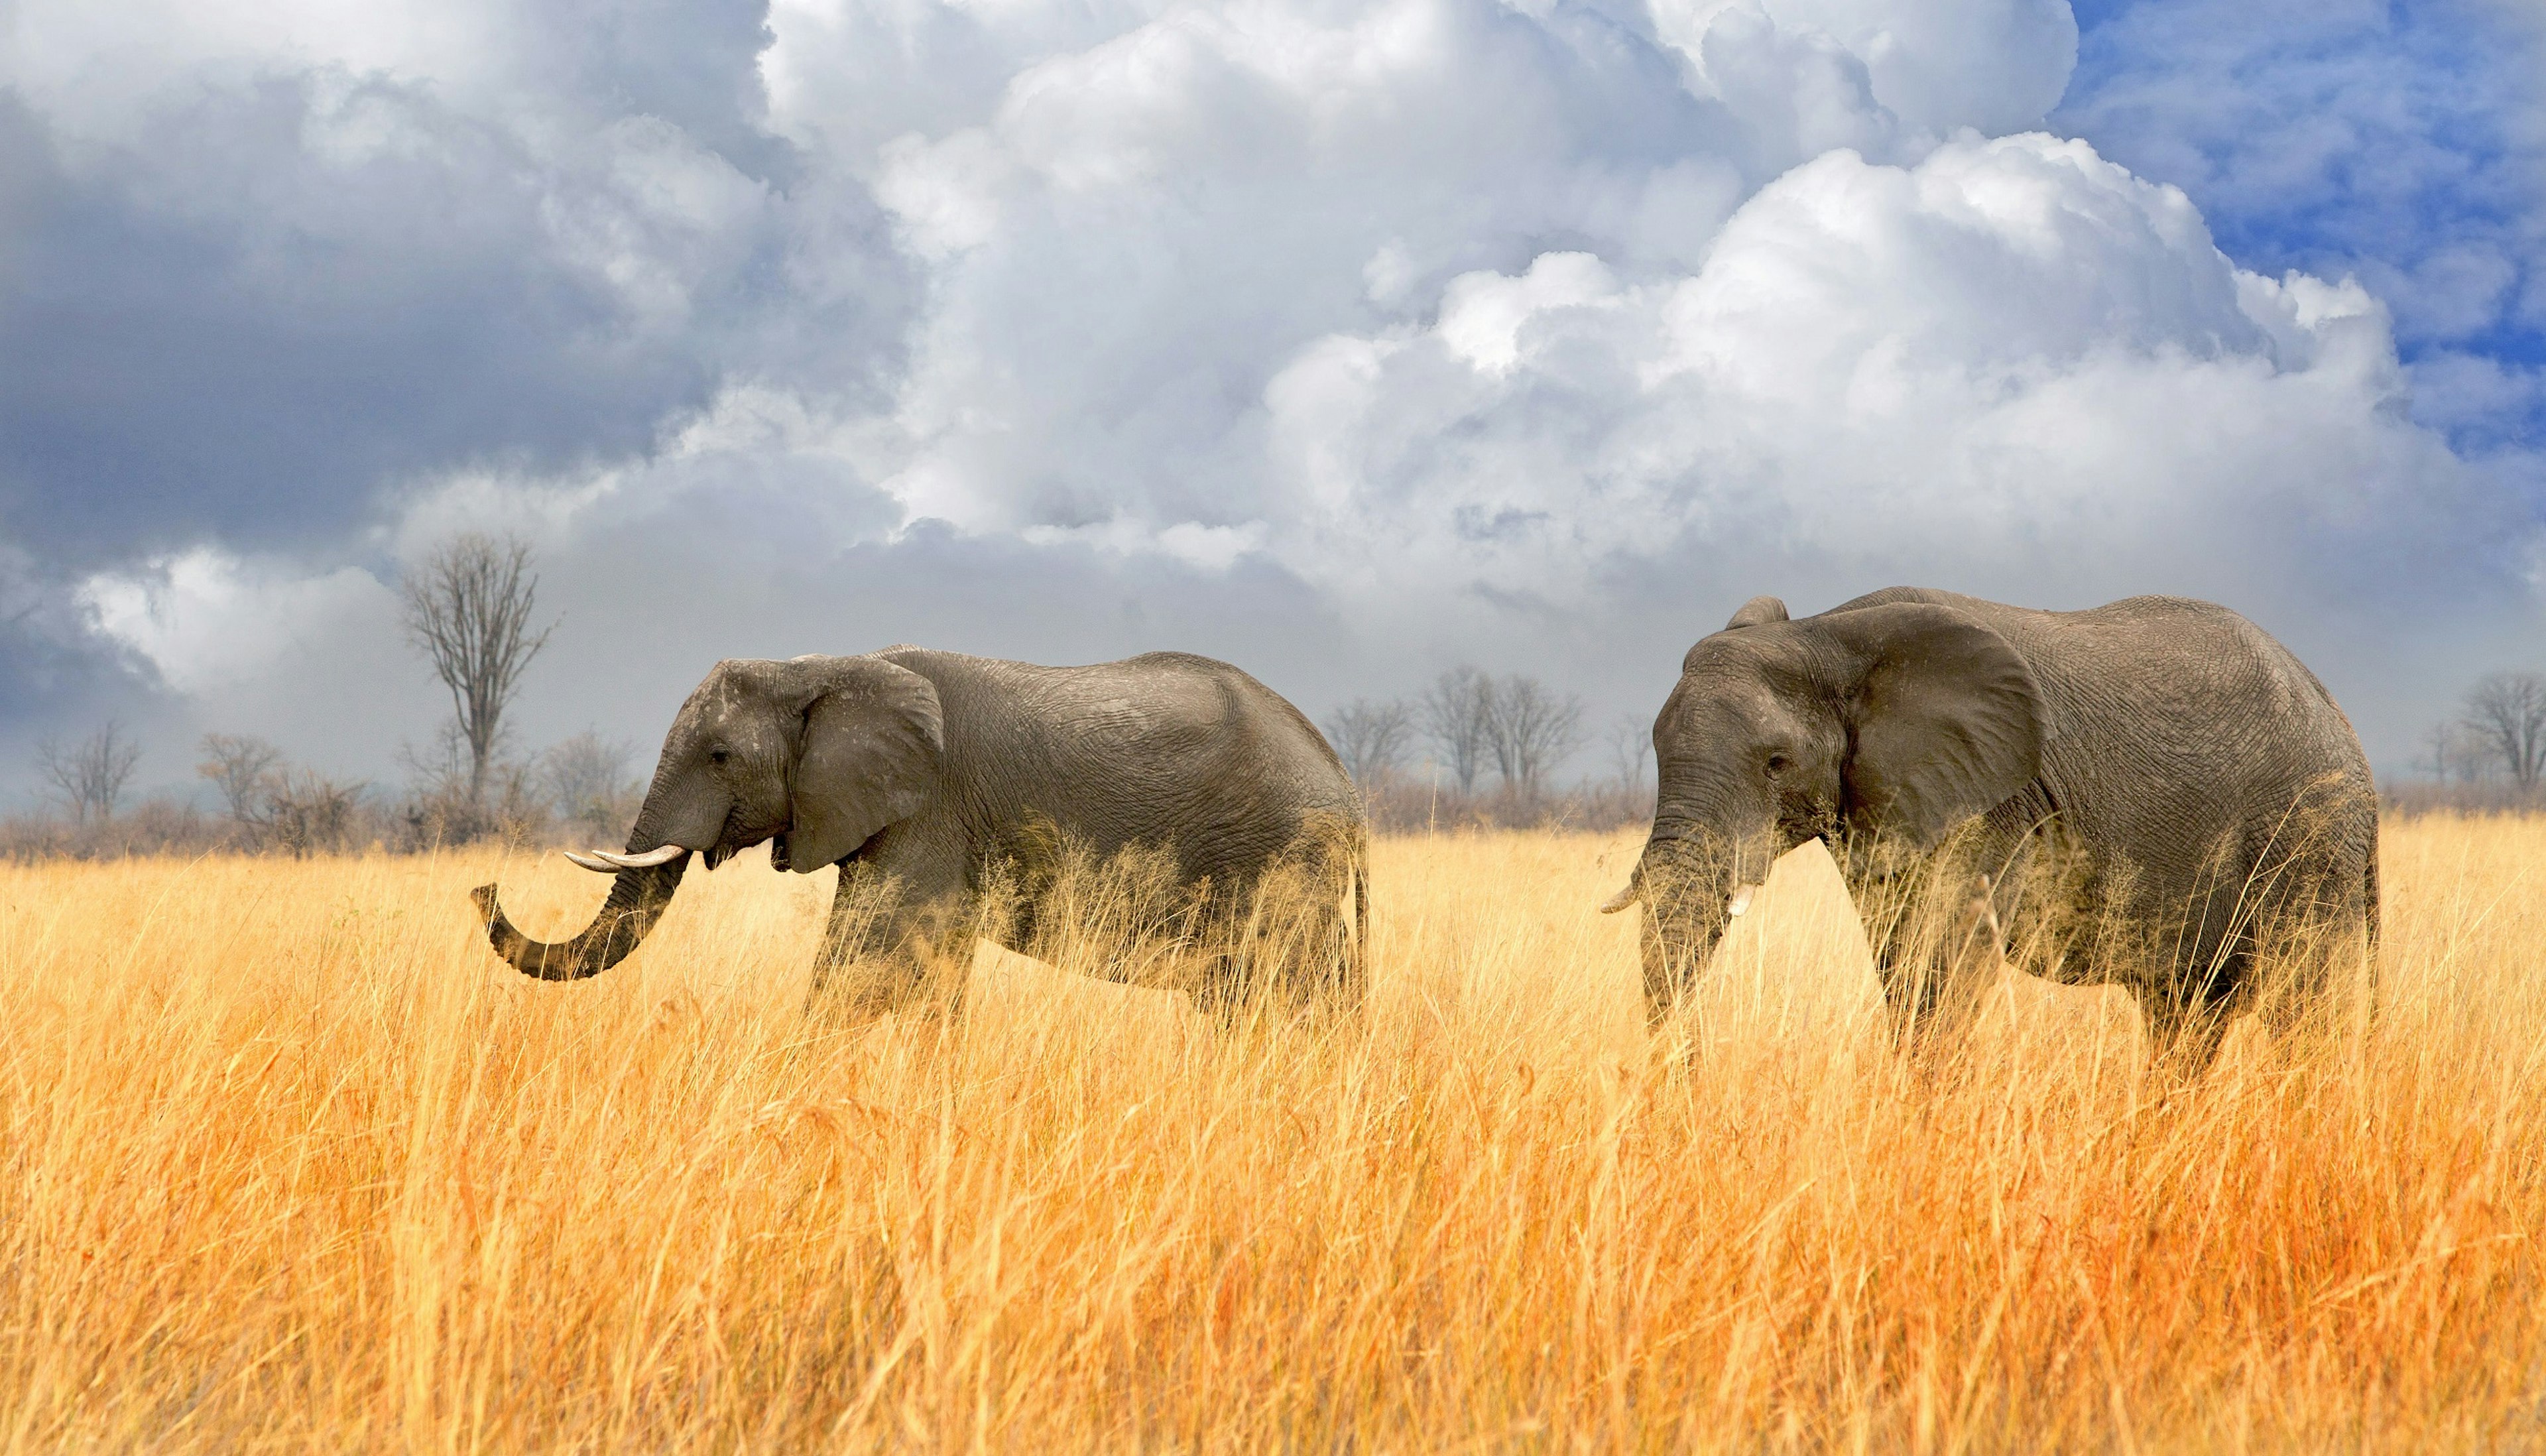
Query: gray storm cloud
point(1343, 341)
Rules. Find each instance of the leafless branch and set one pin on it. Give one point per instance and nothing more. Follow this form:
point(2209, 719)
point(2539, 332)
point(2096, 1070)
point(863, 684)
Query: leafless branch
point(1370, 738)
point(1457, 717)
point(2507, 710)
point(308, 812)
point(468, 609)
point(90, 775)
point(1631, 747)
point(588, 776)
point(1531, 730)
point(245, 768)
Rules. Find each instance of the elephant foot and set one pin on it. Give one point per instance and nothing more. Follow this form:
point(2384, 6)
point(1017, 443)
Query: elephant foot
point(2185, 1043)
point(852, 993)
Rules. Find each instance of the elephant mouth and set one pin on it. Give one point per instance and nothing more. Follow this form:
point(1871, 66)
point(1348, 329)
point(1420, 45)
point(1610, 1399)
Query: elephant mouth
point(738, 833)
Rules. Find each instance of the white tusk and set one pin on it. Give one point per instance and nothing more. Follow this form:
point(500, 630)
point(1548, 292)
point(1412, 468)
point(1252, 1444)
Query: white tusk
point(1619, 900)
point(597, 866)
point(1741, 900)
point(646, 861)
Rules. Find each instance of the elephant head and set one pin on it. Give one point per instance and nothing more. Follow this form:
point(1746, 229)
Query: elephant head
point(1898, 721)
point(819, 754)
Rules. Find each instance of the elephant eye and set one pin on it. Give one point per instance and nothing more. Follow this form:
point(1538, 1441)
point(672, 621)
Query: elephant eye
point(717, 755)
point(1777, 763)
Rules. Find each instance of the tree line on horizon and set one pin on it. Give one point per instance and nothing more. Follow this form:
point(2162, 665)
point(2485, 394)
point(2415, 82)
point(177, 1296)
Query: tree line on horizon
point(1475, 747)
point(469, 609)
point(1471, 748)
point(2491, 752)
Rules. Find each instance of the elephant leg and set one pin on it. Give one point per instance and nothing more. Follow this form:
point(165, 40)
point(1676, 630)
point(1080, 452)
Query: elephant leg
point(1288, 938)
point(1323, 951)
point(2042, 890)
point(1935, 994)
point(2324, 986)
point(2318, 950)
point(1306, 940)
point(889, 943)
point(1936, 963)
point(2185, 1033)
point(1238, 975)
point(864, 969)
point(2210, 982)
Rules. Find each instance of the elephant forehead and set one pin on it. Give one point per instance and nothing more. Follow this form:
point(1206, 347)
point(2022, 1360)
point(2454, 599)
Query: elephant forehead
point(1778, 662)
point(733, 703)
point(738, 674)
point(1730, 691)
point(741, 682)
point(1765, 646)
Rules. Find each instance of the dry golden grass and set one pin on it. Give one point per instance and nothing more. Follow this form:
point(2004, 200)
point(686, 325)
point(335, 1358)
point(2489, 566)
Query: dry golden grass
point(291, 1162)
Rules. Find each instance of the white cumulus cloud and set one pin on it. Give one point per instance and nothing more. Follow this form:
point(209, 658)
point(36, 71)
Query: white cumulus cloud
point(1342, 340)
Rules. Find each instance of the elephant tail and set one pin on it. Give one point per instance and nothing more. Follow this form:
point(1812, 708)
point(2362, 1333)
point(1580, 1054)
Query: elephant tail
point(2369, 924)
point(1361, 913)
point(2369, 891)
point(1346, 973)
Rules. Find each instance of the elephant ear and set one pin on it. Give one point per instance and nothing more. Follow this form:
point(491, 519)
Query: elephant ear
point(872, 739)
point(1945, 719)
point(1759, 611)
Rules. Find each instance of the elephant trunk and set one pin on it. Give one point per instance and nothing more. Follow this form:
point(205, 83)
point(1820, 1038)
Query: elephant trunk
point(636, 900)
point(1692, 885)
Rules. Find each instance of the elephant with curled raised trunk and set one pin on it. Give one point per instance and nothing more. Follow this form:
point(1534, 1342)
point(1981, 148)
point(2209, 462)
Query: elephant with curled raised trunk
point(2153, 792)
point(926, 776)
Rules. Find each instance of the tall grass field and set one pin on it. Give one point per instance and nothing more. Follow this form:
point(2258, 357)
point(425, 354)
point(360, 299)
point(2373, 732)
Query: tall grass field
point(289, 1161)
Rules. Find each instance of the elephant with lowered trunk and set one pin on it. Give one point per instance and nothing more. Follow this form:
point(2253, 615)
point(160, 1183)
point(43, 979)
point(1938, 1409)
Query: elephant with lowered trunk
point(922, 774)
point(2153, 792)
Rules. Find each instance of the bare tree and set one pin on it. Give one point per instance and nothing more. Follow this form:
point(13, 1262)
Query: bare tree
point(1631, 747)
point(440, 773)
point(2507, 710)
point(2439, 740)
point(587, 776)
point(245, 769)
point(468, 608)
point(2458, 753)
point(1530, 729)
point(308, 812)
point(2469, 758)
point(1457, 717)
point(90, 775)
point(1371, 738)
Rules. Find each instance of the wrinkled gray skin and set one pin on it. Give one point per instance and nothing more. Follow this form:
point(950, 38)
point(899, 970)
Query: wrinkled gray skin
point(916, 771)
point(2152, 787)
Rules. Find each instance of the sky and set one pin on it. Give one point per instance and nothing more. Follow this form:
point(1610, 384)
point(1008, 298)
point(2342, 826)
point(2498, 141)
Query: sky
point(1345, 341)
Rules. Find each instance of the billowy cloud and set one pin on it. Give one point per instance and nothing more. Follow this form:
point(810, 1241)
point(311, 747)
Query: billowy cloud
point(1345, 341)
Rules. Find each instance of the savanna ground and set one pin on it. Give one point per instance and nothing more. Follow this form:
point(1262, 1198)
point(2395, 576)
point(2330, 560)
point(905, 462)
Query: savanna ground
point(289, 1161)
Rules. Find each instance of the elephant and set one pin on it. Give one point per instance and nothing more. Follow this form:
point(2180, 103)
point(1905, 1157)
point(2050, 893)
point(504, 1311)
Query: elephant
point(2152, 793)
point(929, 776)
